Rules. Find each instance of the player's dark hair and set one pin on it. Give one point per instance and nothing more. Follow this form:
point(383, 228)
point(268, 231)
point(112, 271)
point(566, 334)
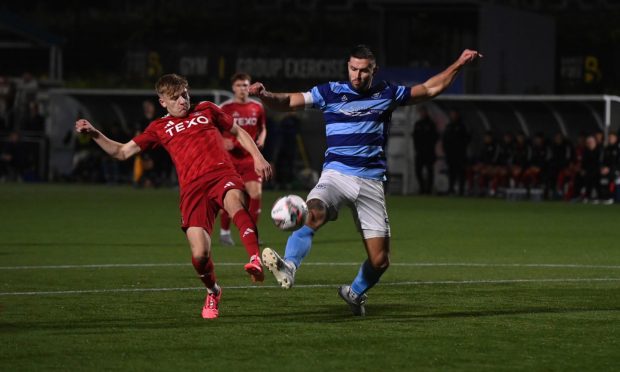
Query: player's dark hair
point(361, 51)
point(240, 76)
point(170, 84)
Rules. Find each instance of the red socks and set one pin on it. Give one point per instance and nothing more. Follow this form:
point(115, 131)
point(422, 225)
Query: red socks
point(205, 270)
point(247, 231)
point(224, 220)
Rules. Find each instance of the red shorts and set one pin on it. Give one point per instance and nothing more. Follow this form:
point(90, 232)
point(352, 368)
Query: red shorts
point(247, 172)
point(204, 197)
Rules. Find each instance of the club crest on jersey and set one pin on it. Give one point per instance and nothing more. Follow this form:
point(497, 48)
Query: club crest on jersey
point(173, 128)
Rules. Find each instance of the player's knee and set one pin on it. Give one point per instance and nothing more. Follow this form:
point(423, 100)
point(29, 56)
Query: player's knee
point(233, 201)
point(380, 262)
point(317, 215)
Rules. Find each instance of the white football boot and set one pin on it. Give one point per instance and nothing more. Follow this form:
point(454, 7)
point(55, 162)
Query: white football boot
point(356, 302)
point(283, 271)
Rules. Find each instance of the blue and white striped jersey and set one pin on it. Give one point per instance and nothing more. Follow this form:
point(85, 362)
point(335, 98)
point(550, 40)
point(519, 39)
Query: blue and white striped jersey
point(356, 125)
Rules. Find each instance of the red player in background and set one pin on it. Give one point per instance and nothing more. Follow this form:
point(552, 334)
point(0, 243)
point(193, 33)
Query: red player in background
point(249, 115)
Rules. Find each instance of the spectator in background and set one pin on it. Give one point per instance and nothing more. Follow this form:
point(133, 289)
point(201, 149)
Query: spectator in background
point(152, 168)
point(12, 159)
point(575, 182)
point(520, 159)
point(25, 92)
point(590, 167)
point(599, 136)
point(535, 173)
point(503, 163)
point(86, 158)
point(609, 169)
point(34, 121)
point(455, 140)
point(482, 169)
point(5, 104)
point(425, 137)
point(561, 155)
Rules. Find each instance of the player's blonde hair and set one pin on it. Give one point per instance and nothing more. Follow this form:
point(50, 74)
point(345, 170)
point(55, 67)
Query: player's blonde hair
point(170, 85)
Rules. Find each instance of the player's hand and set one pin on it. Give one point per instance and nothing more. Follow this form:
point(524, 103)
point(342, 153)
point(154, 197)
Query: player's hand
point(256, 89)
point(469, 56)
point(263, 168)
point(260, 144)
point(228, 144)
point(84, 126)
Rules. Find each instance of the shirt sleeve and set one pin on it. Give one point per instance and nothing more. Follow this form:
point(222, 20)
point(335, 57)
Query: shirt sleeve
point(222, 120)
point(314, 98)
point(148, 139)
point(402, 94)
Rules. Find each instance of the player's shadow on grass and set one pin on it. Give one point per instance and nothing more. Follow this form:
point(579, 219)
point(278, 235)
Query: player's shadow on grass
point(84, 244)
point(396, 312)
point(325, 313)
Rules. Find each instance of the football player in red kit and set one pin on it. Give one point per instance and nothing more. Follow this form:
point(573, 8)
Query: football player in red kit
point(249, 115)
point(207, 179)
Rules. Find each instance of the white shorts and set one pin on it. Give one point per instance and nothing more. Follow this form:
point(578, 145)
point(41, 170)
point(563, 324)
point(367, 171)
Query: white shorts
point(364, 196)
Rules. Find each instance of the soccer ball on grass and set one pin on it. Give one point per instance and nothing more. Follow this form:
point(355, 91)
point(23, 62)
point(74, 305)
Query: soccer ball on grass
point(289, 212)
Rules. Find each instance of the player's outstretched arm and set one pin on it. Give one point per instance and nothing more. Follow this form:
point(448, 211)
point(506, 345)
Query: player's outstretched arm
point(438, 83)
point(261, 166)
point(278, 101)
point(115, 149)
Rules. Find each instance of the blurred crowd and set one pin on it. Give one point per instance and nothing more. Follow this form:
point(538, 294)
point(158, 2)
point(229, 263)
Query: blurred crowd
point(22, 128)
point(586, 170)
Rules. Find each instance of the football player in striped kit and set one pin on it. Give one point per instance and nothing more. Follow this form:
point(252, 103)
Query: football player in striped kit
point(357, 116)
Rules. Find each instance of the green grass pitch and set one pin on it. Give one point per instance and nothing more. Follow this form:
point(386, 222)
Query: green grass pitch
point(98, 278)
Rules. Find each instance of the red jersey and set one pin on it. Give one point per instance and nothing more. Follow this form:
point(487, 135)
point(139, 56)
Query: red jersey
point(251, 117)
point(194, 142)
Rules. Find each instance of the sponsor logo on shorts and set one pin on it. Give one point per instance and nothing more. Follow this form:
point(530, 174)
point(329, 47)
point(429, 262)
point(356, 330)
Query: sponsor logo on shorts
point(320, 186)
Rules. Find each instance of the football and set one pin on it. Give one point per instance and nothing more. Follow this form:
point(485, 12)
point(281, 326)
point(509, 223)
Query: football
point(289, 212)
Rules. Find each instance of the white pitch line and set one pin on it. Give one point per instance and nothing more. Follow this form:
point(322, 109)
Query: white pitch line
point(390, 284)
point(395, 264)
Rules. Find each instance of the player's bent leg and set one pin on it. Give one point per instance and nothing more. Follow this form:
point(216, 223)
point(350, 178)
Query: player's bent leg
point(297, 246)
point(299, 242)
point(234, 205)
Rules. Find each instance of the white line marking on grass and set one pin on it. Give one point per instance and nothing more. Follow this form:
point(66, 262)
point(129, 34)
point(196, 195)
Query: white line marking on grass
point(395, 264)
point(389, 284)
